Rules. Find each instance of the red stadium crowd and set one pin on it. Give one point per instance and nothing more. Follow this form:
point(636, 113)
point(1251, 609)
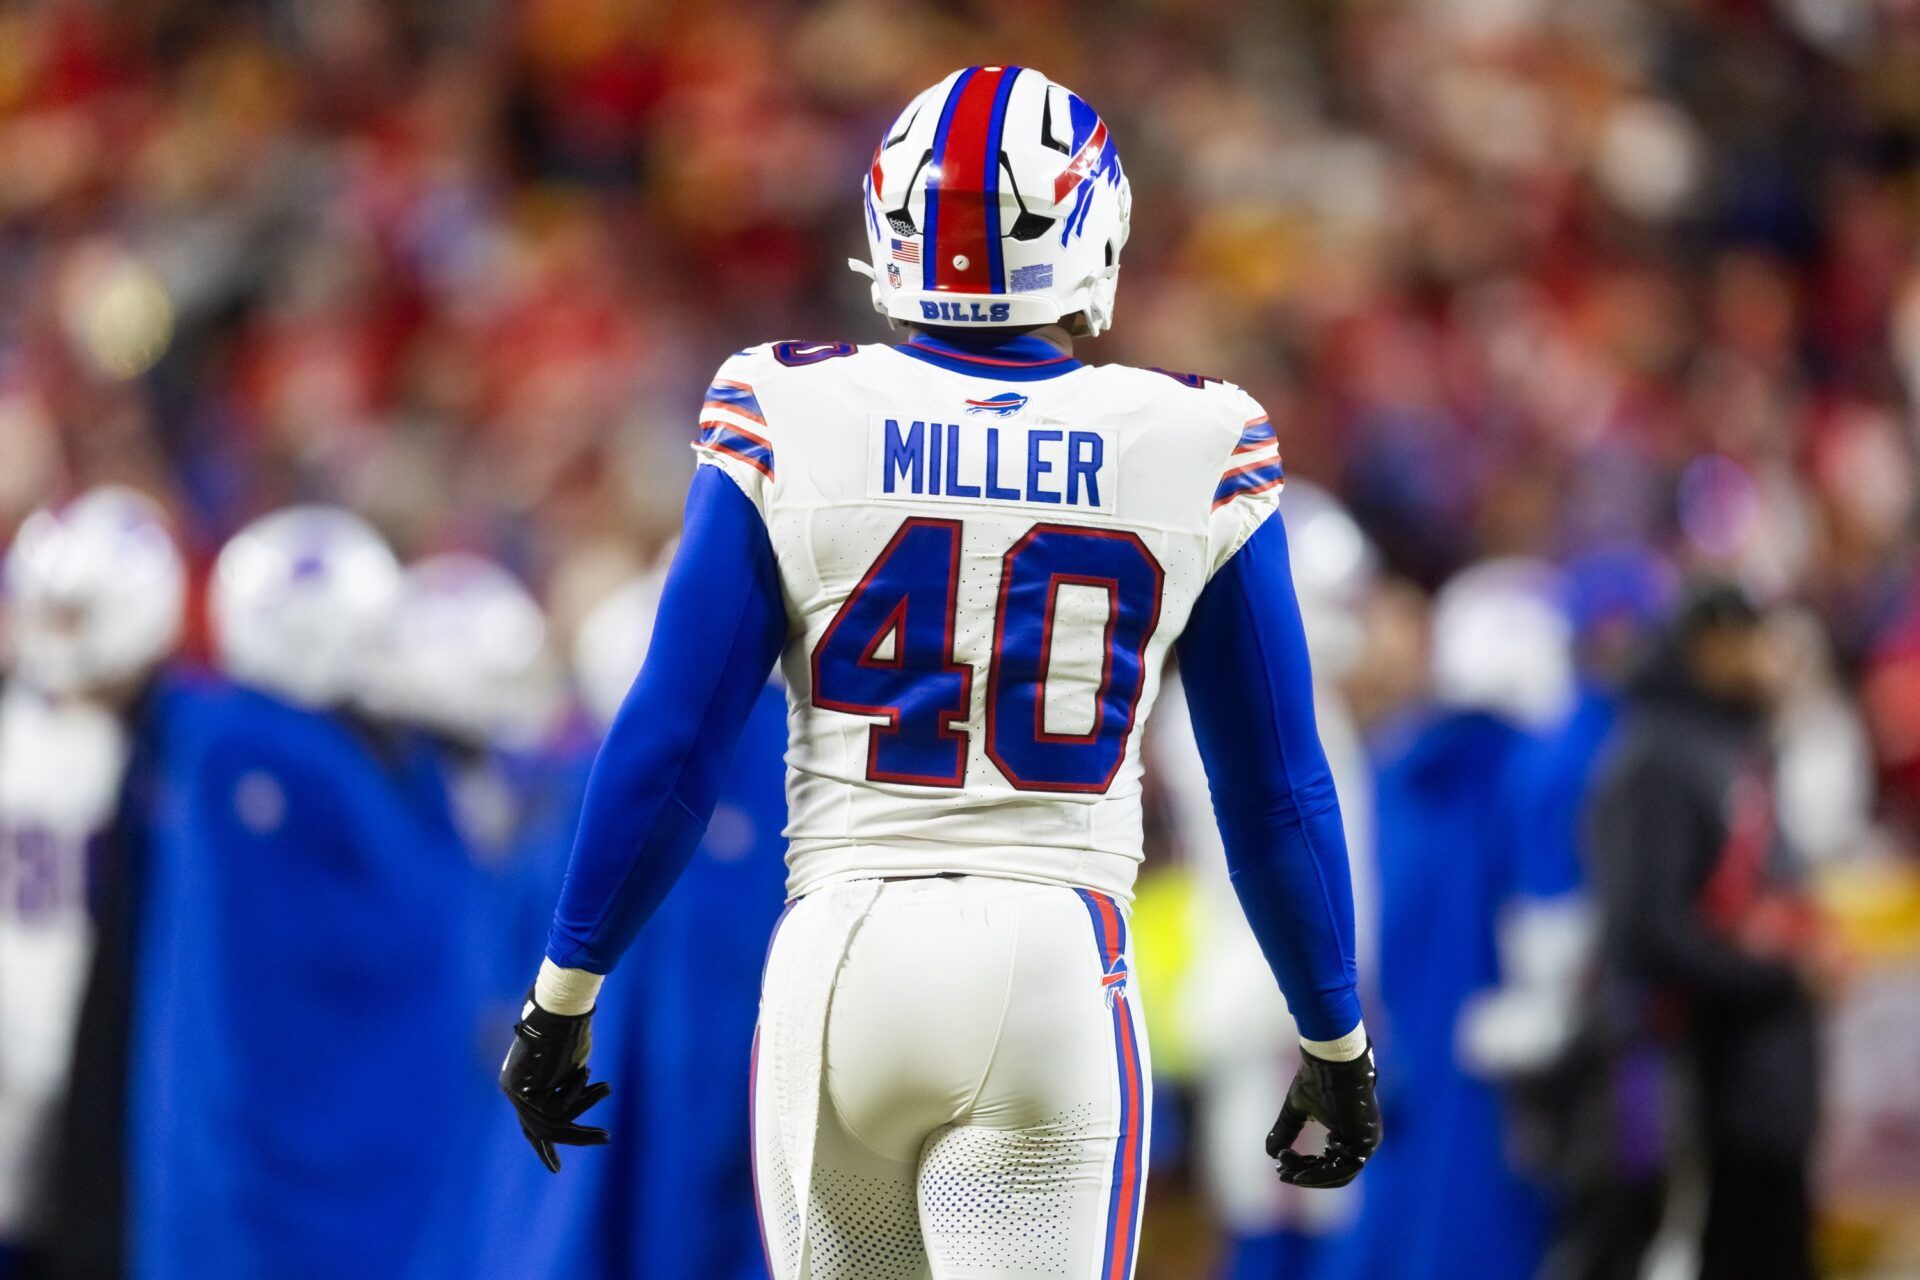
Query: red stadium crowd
point(1514, 278)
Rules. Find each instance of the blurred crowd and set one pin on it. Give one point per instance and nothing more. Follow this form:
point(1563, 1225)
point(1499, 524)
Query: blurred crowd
point(1563, 308)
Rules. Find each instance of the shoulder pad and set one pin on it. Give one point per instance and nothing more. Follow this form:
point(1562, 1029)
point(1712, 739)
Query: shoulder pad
point(733, 430)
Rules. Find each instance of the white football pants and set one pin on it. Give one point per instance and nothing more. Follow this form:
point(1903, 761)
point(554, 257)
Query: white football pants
point(950, 1080)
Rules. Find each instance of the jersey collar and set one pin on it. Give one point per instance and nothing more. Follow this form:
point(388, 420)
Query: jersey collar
point(1021, 358)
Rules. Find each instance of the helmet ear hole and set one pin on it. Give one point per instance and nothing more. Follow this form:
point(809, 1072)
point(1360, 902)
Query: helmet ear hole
point(1030, 226)
point(1109, 253)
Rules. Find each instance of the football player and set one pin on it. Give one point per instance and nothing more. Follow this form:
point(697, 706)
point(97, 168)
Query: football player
point(1501, 674)
point(676, 1032)
point(308, 856)
point(96, 590)
point(689, 1009)
point(466, 658)
point(971, 553)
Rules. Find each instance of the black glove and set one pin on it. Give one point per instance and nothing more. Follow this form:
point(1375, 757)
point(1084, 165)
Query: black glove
point(1340, 1096)
point(545, 1078)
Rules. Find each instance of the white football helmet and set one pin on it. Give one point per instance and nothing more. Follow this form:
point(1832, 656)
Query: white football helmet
point(466, 655)
point(996, 199)
point(612, 643)
point(97, 591)
point(1502, 642)
point(300, 600)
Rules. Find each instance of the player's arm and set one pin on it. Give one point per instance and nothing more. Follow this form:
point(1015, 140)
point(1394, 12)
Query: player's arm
point(653, 787)
point(1243, 661)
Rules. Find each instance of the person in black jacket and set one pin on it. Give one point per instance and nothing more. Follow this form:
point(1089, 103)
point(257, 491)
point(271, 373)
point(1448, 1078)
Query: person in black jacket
point(1706, 937)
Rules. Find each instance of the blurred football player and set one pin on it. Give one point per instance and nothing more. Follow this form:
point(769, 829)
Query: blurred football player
point(1244, 1042)
point(1520, 1029)
point(971, 553)
point(304, 930)
point(95, 589)
point(1443, 1202)
point(695, 988)
point(466, 656)
point(1716, 957)
point(1540, 1033)
point(467, 662)
point(678, 1204)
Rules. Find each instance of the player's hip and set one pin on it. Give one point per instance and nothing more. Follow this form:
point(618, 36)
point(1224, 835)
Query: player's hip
point(816, 862)
point(958, 999)
point(941, 1048)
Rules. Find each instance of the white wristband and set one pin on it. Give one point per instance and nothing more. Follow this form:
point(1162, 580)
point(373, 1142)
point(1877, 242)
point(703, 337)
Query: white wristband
point(1345, 1049)
point(568, 992)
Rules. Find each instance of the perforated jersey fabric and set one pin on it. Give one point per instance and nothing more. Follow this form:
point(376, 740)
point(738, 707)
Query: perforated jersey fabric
point(982, 1105)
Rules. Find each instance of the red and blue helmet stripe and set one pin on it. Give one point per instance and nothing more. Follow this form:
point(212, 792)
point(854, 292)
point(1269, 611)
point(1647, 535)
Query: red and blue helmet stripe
point(996, 130)
point(962, 221)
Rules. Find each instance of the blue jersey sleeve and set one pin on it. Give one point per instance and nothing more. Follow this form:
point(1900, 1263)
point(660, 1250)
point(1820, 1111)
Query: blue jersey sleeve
point(654, 784)
point(1243, 660)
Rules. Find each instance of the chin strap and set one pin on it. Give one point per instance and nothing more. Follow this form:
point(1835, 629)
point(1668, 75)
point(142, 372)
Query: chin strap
point(861, 267)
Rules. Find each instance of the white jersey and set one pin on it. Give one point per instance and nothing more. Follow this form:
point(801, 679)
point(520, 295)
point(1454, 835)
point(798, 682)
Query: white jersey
point(984, 563)
point(60, 773)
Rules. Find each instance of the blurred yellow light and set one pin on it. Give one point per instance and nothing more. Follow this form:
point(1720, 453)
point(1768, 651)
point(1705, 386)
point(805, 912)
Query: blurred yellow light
point(1875, 905)
point(116, 310)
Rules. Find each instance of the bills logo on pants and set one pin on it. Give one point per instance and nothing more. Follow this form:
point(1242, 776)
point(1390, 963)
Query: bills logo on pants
point(1129, 1159)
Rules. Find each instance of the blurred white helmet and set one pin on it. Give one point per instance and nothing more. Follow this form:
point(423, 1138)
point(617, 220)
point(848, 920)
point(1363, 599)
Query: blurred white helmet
point(612, 643)
point(1502, 642)
point(300, 600)
point(97, 590)
point(1334, 566)
point(996, 198)
point(466, 655)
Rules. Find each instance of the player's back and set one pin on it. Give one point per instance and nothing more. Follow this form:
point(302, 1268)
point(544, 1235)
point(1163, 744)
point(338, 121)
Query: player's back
point(986, 553)
point(972, 554)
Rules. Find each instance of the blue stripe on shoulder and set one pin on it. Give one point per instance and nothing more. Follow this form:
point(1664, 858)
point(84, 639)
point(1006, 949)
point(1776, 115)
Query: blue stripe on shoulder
point(1259, 431)
point(1264, 476)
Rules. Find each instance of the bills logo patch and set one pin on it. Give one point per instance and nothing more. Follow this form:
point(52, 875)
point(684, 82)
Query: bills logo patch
point(1004, 405)
point(1114, 981)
